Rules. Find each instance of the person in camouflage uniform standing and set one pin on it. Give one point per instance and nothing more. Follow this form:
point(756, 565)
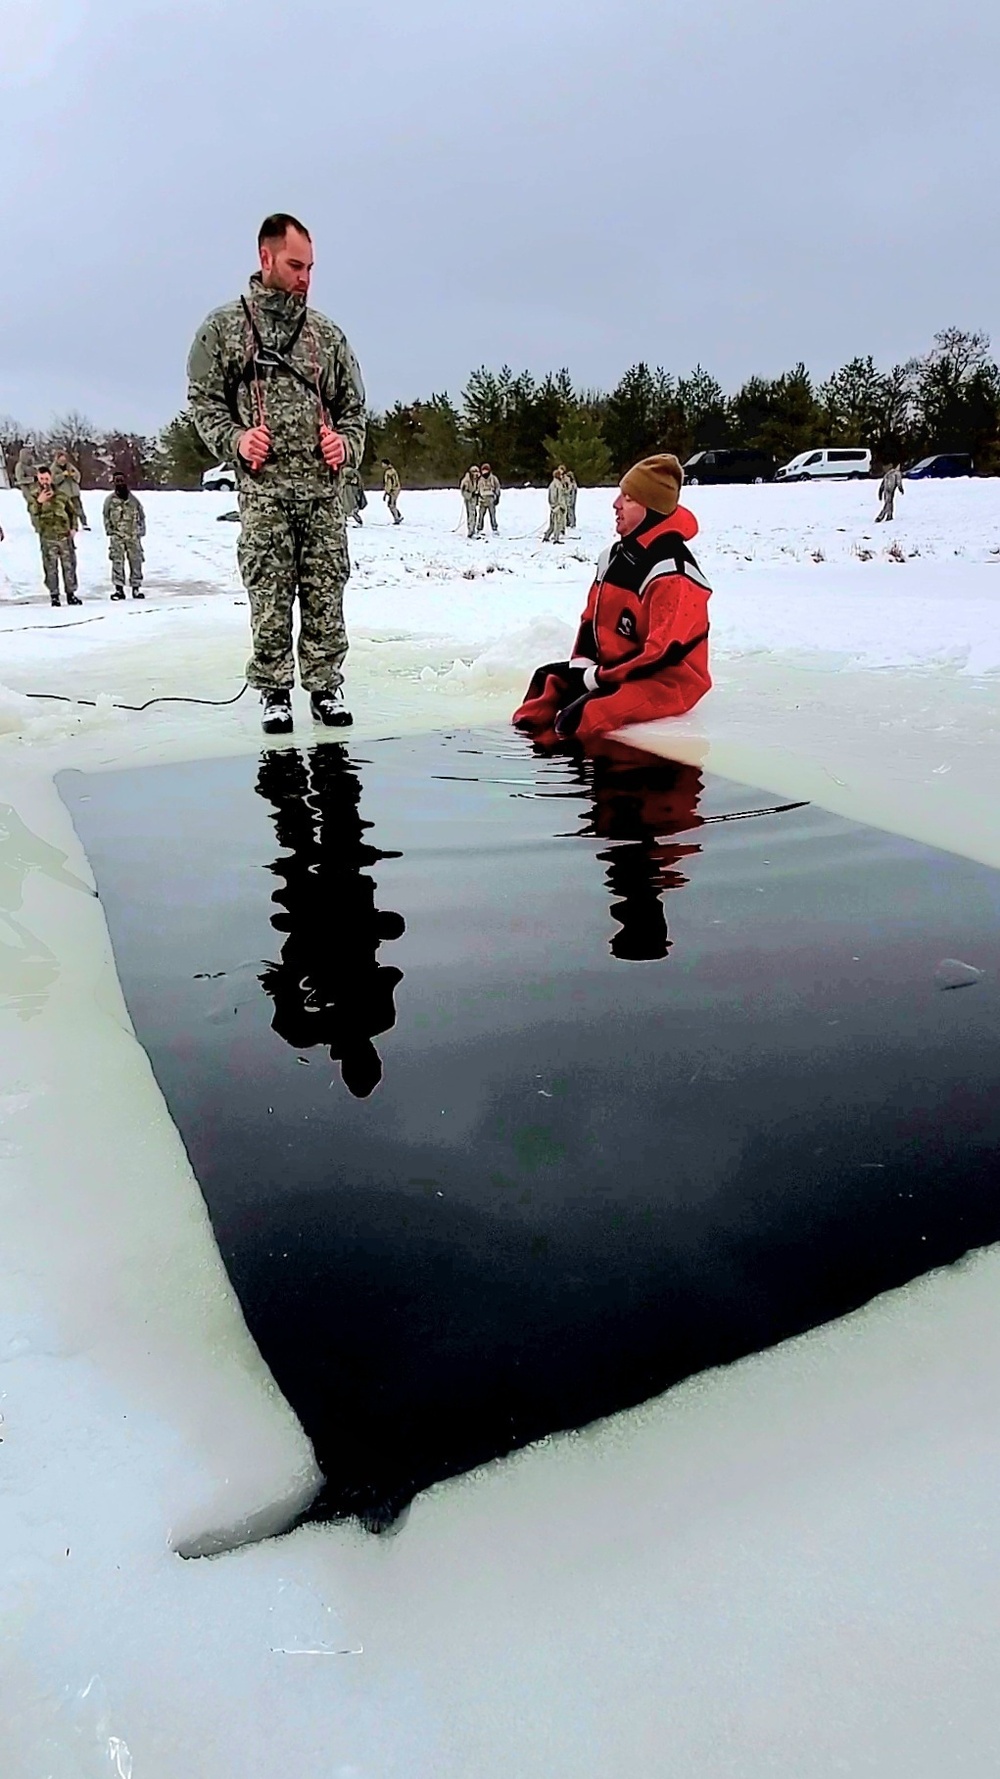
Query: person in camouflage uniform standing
point(125, 524)
point(391, 487)
point(468, 488)
point(66, 480)
point(558, 506)
point(26, 471)
point(54, 520)
point(572, 490)
point(353, 492)
point(487, 499)
point(274, 388)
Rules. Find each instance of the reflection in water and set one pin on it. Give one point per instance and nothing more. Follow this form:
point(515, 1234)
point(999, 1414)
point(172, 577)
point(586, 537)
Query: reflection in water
point(328, 987)
point(639, 802)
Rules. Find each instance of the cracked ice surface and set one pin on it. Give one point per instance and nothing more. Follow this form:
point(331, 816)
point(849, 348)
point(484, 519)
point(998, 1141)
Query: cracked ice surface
point(788, 1567)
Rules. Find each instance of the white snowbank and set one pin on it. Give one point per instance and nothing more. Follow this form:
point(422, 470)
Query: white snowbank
point(784, 1568)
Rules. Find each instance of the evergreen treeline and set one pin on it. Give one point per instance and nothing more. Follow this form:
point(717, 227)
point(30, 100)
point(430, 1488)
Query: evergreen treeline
point(947, 400)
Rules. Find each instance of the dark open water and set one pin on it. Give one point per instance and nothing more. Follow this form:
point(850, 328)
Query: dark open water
point(521, 1088)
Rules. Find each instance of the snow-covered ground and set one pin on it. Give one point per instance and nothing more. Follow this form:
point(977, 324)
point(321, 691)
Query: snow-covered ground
point(791, 1567)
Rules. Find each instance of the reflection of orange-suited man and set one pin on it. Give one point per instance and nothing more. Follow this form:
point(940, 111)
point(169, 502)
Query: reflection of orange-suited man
point(328, 987)
point(645, 800)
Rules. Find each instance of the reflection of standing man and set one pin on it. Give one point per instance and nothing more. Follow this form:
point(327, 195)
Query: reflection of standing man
point(274, 387)
point(645, 800)
point(328, 987)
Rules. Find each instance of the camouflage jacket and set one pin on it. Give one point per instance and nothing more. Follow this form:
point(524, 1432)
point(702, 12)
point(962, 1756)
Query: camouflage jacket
point(124, 518)
point(52, 518)
point(299, 357)
point(488, 488)
point(558, 493)
point(469, 485)
point(24, 469)
point(390, 482)
point(65, 479)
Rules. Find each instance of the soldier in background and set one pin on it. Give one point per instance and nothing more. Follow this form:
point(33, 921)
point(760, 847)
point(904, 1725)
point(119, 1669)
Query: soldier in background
point(572, 490)
point(352, 493)
point(26, 471)
point(558, 506)
point(66, 480)
point(487, 499)
point(125, 524)
point(391, 487)
point(274, 387)
point(468, 488)
point(890, 485)
point(55, 522)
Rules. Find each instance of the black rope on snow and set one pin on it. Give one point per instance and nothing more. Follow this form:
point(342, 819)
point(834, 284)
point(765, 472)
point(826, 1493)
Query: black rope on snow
point(92, 703)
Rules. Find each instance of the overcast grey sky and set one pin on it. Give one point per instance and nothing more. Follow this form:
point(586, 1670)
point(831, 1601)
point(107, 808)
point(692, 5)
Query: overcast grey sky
point(546, 182)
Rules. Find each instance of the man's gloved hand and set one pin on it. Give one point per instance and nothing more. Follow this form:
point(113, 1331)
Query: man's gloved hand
point(255, 446)
point(333, 447)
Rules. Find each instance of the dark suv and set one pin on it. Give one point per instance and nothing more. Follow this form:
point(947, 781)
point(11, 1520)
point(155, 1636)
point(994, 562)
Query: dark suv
point(943, 463)
point(729, 466)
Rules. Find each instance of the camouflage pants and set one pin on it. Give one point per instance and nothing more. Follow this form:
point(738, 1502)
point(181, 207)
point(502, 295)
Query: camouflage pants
point(557, 526)
point(78, 513)
point(59, 552)
point(571, 512)
point(118, 548)
point(487, 508)
point(471, 513)
point(292, 549)
point(391, 501)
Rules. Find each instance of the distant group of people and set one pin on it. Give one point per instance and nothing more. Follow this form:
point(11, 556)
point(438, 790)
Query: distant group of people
point(55, 507)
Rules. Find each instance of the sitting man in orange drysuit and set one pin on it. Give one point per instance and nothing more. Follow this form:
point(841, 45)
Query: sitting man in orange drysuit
point(642, 648)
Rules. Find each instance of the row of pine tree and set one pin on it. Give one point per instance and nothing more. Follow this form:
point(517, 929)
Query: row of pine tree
point(946, 400)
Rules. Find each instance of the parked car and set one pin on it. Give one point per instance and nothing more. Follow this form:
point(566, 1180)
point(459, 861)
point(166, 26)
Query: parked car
point(826, 465)
point(729, 466)
point(943, 463)
point(222, 477)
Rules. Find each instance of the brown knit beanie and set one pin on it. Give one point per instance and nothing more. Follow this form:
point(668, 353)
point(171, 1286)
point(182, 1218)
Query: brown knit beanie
point(655, 483)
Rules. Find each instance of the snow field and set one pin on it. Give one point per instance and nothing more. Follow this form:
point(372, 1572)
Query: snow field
point(787, 1567)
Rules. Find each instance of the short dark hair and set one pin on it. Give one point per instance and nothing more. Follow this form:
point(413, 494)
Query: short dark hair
point(276, 227)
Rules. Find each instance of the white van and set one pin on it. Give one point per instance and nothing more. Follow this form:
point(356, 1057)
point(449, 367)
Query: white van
point(845, 465)
point(221, 478)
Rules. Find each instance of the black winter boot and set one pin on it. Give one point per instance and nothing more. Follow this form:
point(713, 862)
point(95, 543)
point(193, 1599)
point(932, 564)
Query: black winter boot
point(276, 715)
point(329, 709)
point(118, 593)
point(73, 599)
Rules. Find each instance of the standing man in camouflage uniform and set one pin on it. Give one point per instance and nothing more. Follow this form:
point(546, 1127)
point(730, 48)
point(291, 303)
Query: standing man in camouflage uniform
point(487, 499)
point(890, 485)
point(54, 520)
point(274, 388)
point(125, 524)
point(468, 488)
point(353, 493)
point(572, 490)
point(558, 502)
point(66, 480)
point(391, 487)
point(25, 471)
